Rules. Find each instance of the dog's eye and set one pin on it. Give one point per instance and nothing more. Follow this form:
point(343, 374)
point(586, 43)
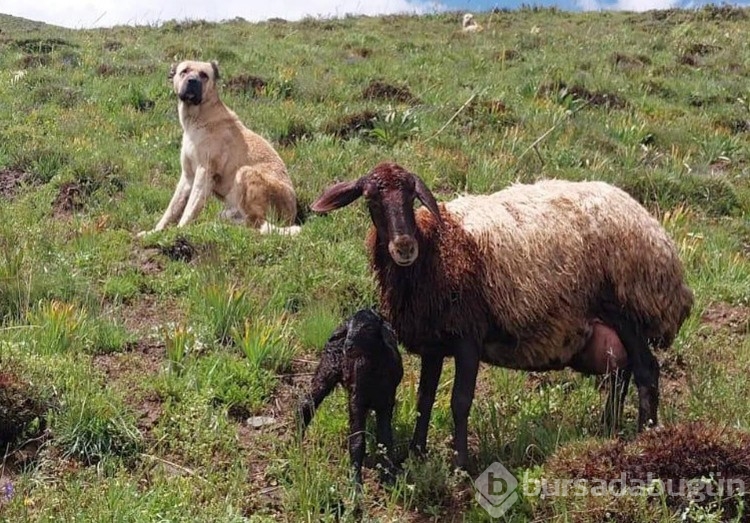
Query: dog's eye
point(203, 75)
point(182, 73)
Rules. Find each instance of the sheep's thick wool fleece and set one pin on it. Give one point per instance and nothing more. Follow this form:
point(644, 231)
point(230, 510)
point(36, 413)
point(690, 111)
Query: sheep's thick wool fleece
point(552, 257)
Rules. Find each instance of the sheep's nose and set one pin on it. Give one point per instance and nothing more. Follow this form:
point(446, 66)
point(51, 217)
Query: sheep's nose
point(403, 249)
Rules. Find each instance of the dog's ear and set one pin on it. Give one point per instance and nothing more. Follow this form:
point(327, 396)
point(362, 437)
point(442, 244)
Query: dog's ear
point(172, 71)
point(215, 65)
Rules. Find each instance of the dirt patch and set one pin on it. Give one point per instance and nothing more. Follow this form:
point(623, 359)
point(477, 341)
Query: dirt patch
point(351, 125)
point(724, 316)
point(20, 408)
point(688, 59)
point(379, 90)
point(148, 312)
point(578, 92)
point(702, 49)
point(508, 55)
point(628, 62)
point(181, 249)
point(112, 45)
point(247, 84)
point(42, 45)
point(12, 180)
point(294, 133)
point(671, 454)
point(70, 198)
point(122, 369)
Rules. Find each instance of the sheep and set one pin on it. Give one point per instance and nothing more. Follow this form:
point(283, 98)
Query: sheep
point(469, 25)
point(534, 277)
point(363, 356)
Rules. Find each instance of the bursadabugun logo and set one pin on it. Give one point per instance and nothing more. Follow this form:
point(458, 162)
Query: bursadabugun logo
point(496, 489)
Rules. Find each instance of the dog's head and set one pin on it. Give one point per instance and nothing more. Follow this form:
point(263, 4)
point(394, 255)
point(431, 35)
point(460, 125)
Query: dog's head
point(194, 82)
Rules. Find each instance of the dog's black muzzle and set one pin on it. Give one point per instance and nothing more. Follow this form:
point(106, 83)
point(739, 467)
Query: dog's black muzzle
point(192, 91)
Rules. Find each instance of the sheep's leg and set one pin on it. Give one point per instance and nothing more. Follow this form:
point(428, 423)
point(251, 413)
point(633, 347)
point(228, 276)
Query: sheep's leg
point(326, 377)
point(357, 426)
point(618, 391)
point(645, 369)
point(384, 438)
point(429, 376)
point(467, 367)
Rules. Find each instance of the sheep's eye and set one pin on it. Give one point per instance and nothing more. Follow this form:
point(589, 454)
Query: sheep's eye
point(203, 75)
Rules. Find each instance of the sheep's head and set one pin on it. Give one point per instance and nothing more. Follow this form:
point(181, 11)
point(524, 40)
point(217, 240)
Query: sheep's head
point(390, 191)
point(468, 20)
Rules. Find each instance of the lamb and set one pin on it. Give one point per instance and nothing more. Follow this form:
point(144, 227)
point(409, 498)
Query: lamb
point(469, 25)
point(534, 277)
point(362, 355)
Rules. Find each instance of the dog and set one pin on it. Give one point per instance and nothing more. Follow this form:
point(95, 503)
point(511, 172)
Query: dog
point(220, 155)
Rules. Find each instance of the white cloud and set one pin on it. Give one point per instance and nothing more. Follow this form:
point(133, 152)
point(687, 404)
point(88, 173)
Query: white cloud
point(102, 13)
point(626, 5)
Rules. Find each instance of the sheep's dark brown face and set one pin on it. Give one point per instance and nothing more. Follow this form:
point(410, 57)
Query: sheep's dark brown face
point(390, 191)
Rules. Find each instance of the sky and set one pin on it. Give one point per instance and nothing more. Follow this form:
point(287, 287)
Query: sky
point(79, 14)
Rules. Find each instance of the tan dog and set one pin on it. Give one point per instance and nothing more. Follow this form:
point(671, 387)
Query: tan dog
point(221, 156)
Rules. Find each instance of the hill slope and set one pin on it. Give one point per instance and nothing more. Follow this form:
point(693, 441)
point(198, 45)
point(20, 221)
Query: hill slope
point(143, 360)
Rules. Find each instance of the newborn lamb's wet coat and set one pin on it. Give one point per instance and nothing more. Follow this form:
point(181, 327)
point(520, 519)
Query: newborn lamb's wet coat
point(361, 355)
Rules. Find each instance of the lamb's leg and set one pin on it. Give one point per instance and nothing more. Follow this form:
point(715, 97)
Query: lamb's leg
point(618, 391)
point(327, 375)
point(467, 367)
point(357, 426)
point(432, 366)
point(645, 369)
point(384, 438)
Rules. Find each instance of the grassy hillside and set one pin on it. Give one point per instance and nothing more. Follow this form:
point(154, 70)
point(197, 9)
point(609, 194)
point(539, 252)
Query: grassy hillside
point(133, 365)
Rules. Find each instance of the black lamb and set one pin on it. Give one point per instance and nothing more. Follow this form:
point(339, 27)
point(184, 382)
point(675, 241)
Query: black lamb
point(362, 355)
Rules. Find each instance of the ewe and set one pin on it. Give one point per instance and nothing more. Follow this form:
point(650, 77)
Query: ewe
point(534, 277)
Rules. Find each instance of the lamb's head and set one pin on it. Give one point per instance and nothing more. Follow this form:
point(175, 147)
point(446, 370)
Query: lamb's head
point(468, 20)
point(390, 191)
point(368, 331)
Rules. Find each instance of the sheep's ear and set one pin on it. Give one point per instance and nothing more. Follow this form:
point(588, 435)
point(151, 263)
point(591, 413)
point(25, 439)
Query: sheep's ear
point(215, 66)
point(172, 71)
point(338, 195)
point(426, 197)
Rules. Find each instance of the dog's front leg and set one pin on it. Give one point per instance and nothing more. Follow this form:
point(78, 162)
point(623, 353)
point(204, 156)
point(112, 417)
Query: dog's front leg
point(198, 196)
point(176, 204)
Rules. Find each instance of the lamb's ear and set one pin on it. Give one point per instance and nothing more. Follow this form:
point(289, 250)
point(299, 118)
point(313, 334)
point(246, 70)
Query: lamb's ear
point(338, 195)
point(172, 71)
point(215, 66)
point(426, 197)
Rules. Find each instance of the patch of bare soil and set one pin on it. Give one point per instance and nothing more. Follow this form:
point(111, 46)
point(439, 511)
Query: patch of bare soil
point(20, 406)
point(181, 249)
point(508, 55)
point(148, 312)
point(579, 92)
point(12, 180)
point(379, 90)
point(628, 62)
point(672, 454)
point(122, 369)
point(293, 134)
point(351, 125)
point(247, 84)
point(70, 198)
point(262, 441)
point(723, 316)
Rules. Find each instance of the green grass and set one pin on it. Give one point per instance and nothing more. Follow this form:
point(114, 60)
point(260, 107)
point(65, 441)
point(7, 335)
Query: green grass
point(153, 354)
